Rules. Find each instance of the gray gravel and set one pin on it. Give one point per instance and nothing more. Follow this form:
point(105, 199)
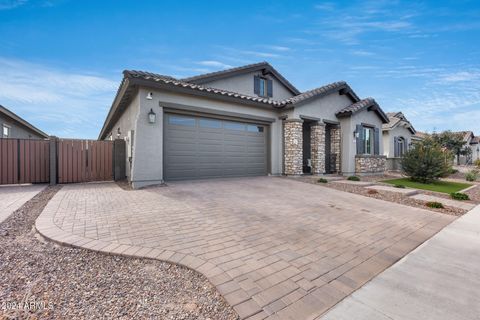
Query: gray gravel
point(49, 281)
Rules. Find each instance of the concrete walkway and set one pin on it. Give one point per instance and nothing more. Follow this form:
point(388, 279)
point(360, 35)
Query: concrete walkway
point(438, 280)
point(13, 197)
point(273, 247)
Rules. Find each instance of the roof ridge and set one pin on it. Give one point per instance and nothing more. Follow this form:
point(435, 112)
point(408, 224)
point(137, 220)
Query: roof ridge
point(233, 69)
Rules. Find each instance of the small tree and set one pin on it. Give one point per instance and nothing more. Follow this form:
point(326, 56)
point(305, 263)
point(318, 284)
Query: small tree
point(426, 161)
point(452, 141)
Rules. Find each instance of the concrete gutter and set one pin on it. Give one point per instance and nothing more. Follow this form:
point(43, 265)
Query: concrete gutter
point(438, 280)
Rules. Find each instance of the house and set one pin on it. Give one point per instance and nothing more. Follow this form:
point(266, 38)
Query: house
point(397, 136)
point(244, 121)
point(15, 127)
point(475, 148)
point(419, 136)
point(471, 145)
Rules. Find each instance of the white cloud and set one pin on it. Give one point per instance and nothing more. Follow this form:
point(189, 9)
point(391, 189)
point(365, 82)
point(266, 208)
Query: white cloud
point(362, 53)
point(278, 48)
point(59, 102)
point(460, 76)
point(11, 4)
point(215, 64)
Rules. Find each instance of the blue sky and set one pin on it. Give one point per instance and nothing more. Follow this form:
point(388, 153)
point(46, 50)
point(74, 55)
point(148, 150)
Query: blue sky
point(61, 61)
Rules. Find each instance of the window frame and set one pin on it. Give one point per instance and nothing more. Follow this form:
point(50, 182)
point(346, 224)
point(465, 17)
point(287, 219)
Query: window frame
point(263, 81)
point(368, 143)
point(9, 130)
point(401, 146)
point(171, 121)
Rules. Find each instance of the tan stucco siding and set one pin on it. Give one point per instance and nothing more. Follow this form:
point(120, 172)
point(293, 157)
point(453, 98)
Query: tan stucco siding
point(243, 83)
point(125, 123)
point(323, 107)
point(148, 157)
point(389, 136)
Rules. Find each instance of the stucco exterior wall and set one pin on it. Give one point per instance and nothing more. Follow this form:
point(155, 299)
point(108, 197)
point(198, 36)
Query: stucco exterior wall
point(148, 157)
point(323, 107)
point(388, 139)
point(349, 144)
point(243, 83)
point(17, 130)
point(126, 123)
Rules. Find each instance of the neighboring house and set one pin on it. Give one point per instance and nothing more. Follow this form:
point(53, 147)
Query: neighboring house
point(475, 147)
point(469, 139)
point(243, 121)
point(397, 134)
point(13, 126)
point(419, 136)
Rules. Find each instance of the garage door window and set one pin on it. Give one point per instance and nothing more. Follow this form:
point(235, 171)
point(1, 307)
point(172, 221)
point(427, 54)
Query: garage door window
point(207, 123)
point(234, 126)
point(181, 121)
point(254, 128)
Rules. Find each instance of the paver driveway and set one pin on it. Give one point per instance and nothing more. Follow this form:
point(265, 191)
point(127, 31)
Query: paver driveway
point(13, 197)
point(272, 246)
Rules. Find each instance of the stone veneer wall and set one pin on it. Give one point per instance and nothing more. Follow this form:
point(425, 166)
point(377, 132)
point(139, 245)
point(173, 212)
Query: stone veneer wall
point(370, 164)
point(317, 142)
point(293, 146)
point(335, 146)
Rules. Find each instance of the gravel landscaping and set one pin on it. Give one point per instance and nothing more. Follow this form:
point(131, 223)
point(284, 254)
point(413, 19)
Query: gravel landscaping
point(43, 280)
point(382, 195)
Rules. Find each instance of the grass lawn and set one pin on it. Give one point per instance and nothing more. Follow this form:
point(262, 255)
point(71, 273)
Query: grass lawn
point(438, 186)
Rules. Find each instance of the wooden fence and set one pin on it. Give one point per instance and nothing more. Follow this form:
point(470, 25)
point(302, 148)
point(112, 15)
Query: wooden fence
point(24, 161)
point(84, 160)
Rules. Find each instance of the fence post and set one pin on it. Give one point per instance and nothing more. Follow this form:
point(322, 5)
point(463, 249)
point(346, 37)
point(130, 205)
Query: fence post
point(119, 158)
point(53, 160)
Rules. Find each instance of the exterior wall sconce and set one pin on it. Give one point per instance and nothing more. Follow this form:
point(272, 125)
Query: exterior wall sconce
point(152, 116)
point(149, 96)
point(118, 132)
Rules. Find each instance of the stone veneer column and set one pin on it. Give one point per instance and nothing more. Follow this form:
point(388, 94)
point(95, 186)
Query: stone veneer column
point(335, 143)
point(293, 146)
point(317, 142)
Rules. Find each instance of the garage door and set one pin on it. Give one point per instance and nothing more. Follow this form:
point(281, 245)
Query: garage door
point(198, 147)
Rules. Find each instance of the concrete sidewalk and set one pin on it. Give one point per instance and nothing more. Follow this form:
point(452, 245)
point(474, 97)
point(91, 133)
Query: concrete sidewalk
point(13, 197)
point(438, 280)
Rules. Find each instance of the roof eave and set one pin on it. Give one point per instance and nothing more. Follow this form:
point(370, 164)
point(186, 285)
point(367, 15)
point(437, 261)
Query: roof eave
point(201, 79)
point(23, 122)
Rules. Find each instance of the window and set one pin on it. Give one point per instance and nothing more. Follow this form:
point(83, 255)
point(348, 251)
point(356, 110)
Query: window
point(263, 87)
point(208, 123)
point(6, 131)
point(400, 146)
point(253, 128)
point(368, 137)
point(234, 126)
point(181, 121)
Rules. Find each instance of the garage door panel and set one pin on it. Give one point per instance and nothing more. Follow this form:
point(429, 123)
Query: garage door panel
point(210, 148)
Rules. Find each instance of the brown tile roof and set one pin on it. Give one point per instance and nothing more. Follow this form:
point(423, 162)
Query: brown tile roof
point(158, 78)
point(202, 78)
point(361, 105)
point(394, 119)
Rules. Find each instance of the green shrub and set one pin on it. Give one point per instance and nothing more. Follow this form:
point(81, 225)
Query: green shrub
point(426, 162)
point(322, 180)
point(471, 175)
point(401, 186)
point(434, 204)
point(459, 196)
point(353, 178)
